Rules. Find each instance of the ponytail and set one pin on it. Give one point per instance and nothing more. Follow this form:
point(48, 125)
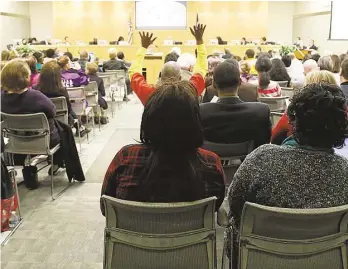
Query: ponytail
point(264, 79)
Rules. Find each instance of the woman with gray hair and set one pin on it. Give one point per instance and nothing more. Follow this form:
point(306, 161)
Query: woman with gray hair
point(325, 63)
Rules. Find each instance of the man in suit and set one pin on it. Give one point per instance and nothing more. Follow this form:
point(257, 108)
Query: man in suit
point(230, 120)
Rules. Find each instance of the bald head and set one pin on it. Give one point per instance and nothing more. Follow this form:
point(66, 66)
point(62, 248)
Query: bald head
point(171, 70)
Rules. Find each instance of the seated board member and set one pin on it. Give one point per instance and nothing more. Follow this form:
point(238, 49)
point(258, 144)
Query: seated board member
point(230, 120)
point(171, 70)
point(168, 165)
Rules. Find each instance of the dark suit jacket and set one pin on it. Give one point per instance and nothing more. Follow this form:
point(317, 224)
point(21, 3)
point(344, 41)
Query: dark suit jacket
point(247, 92)
point(114, 64)
point(230, 120)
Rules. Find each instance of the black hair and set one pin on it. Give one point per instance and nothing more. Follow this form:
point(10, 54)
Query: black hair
point(343, 56)
point(171, 57)
point(344, 68)
point(50, 53)
point(270, 53)
point(286, 60)
point(69, 54)
point(172, 130)
point(121, 38)
point(65, 37)
point(250, 53)
point(316, 57)
point(196, 53)
point(120, 55)
point(278, 71)
point(263, 66)
point(38, 56)
point(227, 75)
point(318, 114)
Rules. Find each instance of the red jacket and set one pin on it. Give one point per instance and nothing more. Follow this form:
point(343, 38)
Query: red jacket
point(143, 90)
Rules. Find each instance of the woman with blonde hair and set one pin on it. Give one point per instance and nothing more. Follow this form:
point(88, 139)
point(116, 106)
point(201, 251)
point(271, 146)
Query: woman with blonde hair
point(283, 129)
point(245, 71)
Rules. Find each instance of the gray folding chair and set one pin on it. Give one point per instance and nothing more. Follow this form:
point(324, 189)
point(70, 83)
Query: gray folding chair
point(293, 238)
point(287, 91)
point(283, 83)
point(108, 93)
point(275, 117)
point(276, 104)
point(231, 155)
point(159, 235)
point(91, 92)
point(29, 134)
point(118, 81)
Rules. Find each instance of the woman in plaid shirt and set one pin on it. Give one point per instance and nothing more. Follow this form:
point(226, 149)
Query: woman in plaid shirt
point(168, 165)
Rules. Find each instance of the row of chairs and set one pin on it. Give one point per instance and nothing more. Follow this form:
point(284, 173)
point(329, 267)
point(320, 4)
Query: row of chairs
point(183, 235)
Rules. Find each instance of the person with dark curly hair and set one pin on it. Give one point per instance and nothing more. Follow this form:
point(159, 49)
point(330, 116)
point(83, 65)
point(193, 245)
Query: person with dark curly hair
point(278, 71)
point(304, 172)
point(266, 87)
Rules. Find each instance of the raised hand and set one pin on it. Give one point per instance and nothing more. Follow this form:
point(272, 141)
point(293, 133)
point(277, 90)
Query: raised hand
point(146, 39)
point(197, 32)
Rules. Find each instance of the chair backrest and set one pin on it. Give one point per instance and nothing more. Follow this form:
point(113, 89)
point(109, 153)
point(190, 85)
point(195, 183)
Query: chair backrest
point(27, 133)
point(293, 238)
point(118, 76)
point(275, 117)
point(283, 83)
point(106, 80)
point(159, 235)
point(276, 104)
point(78, 99)
point(231, 155)
point(91, 92)
point(287, 91)
point(61, 108)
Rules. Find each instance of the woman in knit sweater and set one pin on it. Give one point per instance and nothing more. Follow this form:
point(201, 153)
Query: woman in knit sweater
point(304, 172)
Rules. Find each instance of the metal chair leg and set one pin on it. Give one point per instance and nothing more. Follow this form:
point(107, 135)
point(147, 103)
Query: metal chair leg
point(52, 187)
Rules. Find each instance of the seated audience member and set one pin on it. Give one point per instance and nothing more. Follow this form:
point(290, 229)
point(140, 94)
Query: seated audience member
point(309, 66)
point(83, 60)
point(343, 56)
point(278, 72)
point(177, 51)
point(96, 61)
point(304, 172)
point(5, 55)
point(186, 61)
point(50, 84)
point(171, 57)
point(325, 63)
point(250, 58)
point(120, 57)
point(92, 69)
point(34, 77)
point(266, 87)
point(283, 129)
point(171, 70)
point(116, 64)
point(296, 66)
point(71, 77)
point(236, 57)
point(344, 78)
point(230, 120)
point(210, 91)
point(13, 55)
point(18, 98)
point(74, 64)
point(170, 165)
point(315, 57)
point(336, 67)
point(50, 56)
point(245, 72)
point(39, 60)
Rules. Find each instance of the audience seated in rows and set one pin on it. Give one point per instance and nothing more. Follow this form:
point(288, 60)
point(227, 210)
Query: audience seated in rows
point(278, 71)
point(230, 120)
point(168, 165)
point(171, 70)
point(284, 129)
point(92, 69)
point(34, 77)
point(71, 77)
point(266, 87)
point(344, 78)
point(50, 84)
point(250, 58)
point(245, 72)
point(304, 172)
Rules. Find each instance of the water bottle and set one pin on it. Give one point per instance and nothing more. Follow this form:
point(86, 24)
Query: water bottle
point(13, 220)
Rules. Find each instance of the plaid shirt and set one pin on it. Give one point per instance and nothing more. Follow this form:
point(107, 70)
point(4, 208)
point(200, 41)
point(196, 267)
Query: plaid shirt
point(124, 174)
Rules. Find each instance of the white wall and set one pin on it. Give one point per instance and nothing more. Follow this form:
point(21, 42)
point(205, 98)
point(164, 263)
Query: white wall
point(280, 25)
point(14, 21)
point(41, 19)
point(312, 21)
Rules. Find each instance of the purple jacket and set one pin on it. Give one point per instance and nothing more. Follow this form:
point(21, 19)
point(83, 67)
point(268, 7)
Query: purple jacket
point(74, 78)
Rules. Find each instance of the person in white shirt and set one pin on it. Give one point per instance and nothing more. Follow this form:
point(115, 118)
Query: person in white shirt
point(295, 70)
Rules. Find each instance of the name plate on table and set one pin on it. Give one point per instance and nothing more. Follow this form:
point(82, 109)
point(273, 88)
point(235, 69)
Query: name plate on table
point(168, 42)
point(123, 43)
point(102, 42)
point(214, 42)
point(191, 42)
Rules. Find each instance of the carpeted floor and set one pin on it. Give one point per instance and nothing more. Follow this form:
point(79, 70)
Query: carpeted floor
point(68, 233)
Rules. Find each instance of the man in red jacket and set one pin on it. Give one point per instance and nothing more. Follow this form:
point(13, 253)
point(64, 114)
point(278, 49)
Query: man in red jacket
point(144, 90)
